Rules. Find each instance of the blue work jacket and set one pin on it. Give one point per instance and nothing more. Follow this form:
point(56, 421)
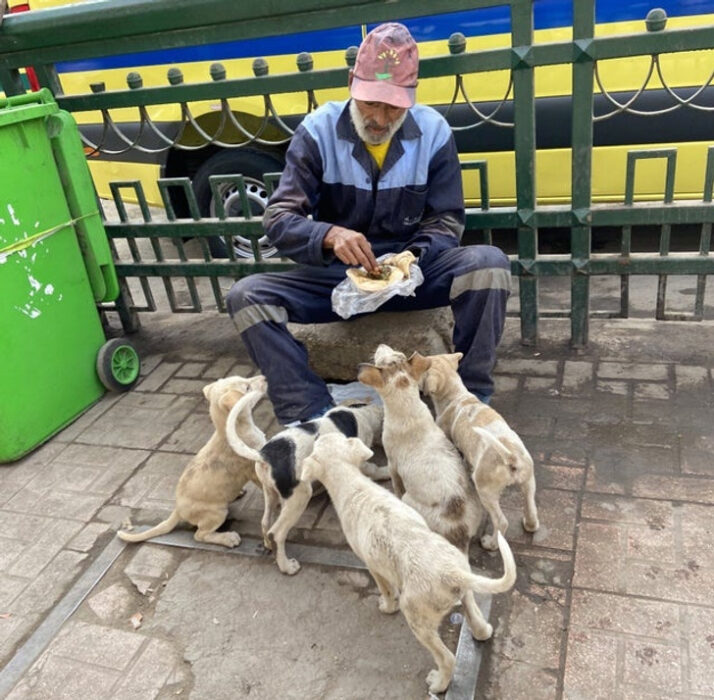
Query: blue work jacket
point(415, 201)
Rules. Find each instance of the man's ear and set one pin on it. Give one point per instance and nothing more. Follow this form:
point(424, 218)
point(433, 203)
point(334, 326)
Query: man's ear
point(350, 77)
point(370, 375)
point(418, 364)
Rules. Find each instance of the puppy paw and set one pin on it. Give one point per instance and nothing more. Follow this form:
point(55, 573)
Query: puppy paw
point(290, 567)
point(388, 606)
point(489, 542)
point(530, 526)
point(484, 634)
point(436, 682)
point(231, 539)
point(225, 539)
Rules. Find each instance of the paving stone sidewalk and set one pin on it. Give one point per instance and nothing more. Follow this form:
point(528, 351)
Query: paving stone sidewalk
point(614, 597)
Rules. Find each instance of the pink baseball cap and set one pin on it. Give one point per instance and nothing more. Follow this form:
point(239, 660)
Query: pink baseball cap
point(386, 67)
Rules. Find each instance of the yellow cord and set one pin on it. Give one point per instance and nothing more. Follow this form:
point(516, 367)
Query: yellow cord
point(17, 246)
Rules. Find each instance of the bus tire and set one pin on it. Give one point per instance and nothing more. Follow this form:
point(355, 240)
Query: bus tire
point(252, 164)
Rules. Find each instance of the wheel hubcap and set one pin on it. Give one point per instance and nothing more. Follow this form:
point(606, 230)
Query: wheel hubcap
point(232, 205)
point(125, 365)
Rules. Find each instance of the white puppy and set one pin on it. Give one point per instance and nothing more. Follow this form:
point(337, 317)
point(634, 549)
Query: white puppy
point(278, 465)
point(215, 477)
point(427, 471)
point(496, 454)
point(414, 568)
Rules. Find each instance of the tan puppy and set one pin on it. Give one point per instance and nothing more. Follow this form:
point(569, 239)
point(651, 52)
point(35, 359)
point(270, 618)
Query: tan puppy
point(278, 464)
point(215, 477)
point(496, 454)
point(407, 560)
point(427, 471)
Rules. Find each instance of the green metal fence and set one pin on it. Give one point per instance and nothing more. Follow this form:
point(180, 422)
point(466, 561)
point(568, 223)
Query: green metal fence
point(104, 28)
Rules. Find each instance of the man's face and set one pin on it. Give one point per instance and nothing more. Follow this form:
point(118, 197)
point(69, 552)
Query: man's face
point(376, 122)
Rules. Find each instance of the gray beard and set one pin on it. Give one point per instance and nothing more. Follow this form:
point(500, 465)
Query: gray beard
point(361, 129)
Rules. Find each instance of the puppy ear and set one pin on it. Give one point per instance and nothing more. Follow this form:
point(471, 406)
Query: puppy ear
point(454, 359)
point(370, 375)
point(359, 451)
point(207, 390)
point(310, 469)
point(230, 399)
point(259, 383)
point(418, 364)
point(429, 383)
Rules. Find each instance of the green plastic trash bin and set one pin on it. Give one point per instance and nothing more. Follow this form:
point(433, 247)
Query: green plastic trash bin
point(55, 265)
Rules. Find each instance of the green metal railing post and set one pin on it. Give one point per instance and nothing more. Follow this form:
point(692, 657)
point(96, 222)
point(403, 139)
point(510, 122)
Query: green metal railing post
point(581, 175)
point(11, 82)
point(524, 121)
point(105, 28)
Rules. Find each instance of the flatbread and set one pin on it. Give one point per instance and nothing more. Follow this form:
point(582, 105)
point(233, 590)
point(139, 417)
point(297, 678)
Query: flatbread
point(365, 283)
point(402, 260)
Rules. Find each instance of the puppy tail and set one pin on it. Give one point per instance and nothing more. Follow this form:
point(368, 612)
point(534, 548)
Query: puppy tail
point(161, 529)
point(483, 584)
point(488, 441)
point(246, 402)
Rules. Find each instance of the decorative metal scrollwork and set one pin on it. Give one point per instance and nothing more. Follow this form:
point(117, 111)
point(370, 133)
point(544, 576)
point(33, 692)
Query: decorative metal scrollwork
point(655, 21)
point(114, 141)
point(227, 118)
point(627, 106)
point(457, 45)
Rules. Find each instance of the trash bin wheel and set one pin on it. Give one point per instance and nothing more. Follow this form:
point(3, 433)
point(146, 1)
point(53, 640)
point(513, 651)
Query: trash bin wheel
point(118, 365)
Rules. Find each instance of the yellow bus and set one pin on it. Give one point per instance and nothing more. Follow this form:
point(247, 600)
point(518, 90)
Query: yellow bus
point(652, 121)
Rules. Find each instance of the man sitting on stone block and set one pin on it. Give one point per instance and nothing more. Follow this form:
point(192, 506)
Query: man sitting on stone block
point(372, 175)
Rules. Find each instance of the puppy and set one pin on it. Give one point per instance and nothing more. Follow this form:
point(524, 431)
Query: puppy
point(278, 465)
point(407, 560)
point(216, 475)
point(495, 453)
point(427, 471)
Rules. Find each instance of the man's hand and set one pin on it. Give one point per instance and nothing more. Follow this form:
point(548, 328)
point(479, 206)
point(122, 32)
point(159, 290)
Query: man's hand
point(351, 247)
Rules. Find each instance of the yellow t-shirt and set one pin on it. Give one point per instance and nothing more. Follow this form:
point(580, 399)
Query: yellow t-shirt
point(378, 152)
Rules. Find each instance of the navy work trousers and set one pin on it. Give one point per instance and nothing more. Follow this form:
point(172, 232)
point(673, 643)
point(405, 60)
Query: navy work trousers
point(473, 280)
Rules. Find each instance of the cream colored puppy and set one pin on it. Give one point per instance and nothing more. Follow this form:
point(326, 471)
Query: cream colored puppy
point(496, 454)
point(215, 477)
point(427, 471)
point(414, 568)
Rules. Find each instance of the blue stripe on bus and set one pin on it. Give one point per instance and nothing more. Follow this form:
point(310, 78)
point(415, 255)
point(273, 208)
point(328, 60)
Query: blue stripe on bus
point(325, 40)
point(548, 14)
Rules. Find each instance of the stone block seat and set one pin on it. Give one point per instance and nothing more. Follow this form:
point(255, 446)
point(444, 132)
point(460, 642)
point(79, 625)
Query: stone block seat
point(336, 349)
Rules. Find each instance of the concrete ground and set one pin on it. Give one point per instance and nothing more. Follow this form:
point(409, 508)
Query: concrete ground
point(613, 600)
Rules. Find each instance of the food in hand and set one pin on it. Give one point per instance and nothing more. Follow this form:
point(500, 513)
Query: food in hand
point(393, 269)
point(374, 281)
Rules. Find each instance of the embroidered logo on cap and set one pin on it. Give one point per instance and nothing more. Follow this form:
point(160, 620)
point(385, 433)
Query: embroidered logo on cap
point(390, 58)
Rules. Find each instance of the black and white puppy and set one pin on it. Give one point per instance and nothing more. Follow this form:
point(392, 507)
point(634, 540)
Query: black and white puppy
point(278, 465)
